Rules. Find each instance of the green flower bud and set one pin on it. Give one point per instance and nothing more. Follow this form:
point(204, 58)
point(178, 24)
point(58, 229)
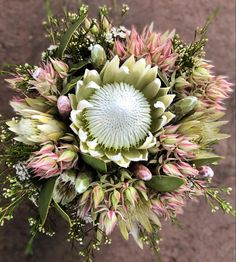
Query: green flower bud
point(131, 195)
point(181, 83)
point(98, 56)
point(184, 106)
point(115, 198)
point(82, 182)
point(98, 196)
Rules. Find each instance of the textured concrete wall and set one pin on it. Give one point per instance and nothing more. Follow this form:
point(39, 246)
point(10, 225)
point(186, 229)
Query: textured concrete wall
point(205, 237)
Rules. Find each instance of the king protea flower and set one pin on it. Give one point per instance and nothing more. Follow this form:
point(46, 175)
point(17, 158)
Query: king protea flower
point(155, 48)
point(117, 113)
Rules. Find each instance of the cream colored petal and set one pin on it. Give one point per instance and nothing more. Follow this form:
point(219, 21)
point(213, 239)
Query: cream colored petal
point(91, 76)
point(93, 85)
point(73, 101)
point(92, 144)
point(95, 153)
point(163, 91)
point(166, 100)
point(129, 62)
point(149, 142)
point(123, 162)
point(83, 135)
point(133, 155)
point(156, 113)
point(136, 72)
point(149, 75)
point(144, 154)
point(169, 116)
point(114, 156)
point(151, 90)
point(121, 74)
point(158, 123)
point(108, 75)
point(82, 105)
point(83, 147)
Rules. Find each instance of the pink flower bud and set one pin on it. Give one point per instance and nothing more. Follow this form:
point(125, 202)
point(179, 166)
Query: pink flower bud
point(171, 169)
point(39, 74)
point(60, 67)
point(98, 196)
point(186, 169)
point(110, 222)
point(206, 171)
point(67, 156)
point(64, 106)
point(142, 172)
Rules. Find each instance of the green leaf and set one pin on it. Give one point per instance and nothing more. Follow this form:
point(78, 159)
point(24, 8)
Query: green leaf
point(76, 67)
point(45, 198)
point(206, 159)
point(68, 35)
point(163, 78)
point(123, 229)
point(63, 213)
point(70, 85)
point(165, 183)
point(95, 163)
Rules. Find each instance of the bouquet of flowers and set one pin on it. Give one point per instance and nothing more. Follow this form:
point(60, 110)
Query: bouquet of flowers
point(113, 129)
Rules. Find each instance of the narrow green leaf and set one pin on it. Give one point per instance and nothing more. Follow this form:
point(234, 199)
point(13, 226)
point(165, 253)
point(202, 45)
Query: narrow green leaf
point(123, 229)
point(68, 35)
point(201, 161)
point(63, 213)
point(76, 67)
point(96, 163)
point(70, 85)
point(163, 78)
point(48, 9)
point(45, 198)
point(165, 183)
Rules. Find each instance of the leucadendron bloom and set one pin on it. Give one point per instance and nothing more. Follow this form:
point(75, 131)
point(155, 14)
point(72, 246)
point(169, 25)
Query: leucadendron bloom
point(117, 113)
point(34, 126)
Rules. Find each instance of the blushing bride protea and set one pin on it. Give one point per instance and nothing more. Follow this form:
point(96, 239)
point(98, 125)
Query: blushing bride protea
point(35, 125)
point(117, 113)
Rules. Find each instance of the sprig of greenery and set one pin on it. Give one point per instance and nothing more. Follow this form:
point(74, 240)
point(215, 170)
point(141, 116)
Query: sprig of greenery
point(214, 197)
point(216, 201)
point(190, 53)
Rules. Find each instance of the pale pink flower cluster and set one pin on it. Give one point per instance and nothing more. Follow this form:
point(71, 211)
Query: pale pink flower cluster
point(50, 160)
point(211, 90)
point(216, 92)
point(156, 48)
point(46, 77)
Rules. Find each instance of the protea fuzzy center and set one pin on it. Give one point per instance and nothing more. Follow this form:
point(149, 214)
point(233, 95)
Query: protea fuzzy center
point(119, 116)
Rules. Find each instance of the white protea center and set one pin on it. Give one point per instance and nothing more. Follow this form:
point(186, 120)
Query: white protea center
point(119, 116)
